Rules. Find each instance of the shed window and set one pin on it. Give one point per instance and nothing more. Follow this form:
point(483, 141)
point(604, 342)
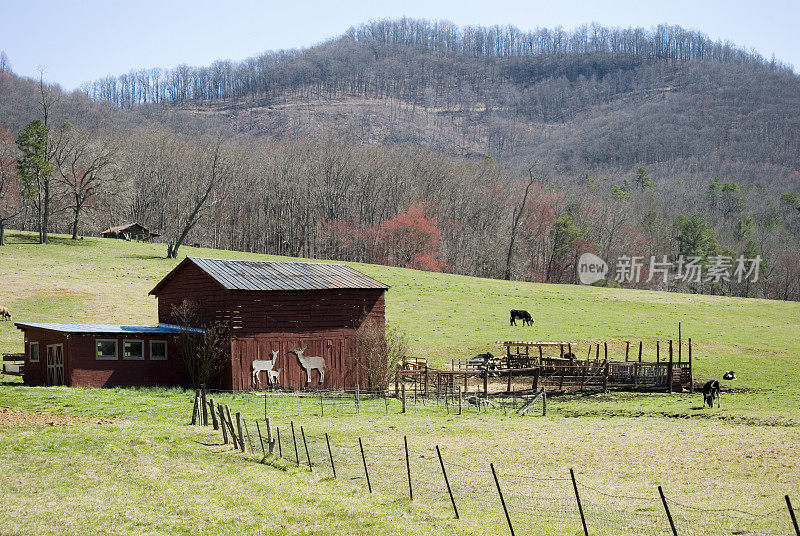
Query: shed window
point(33, 352)
point(158, 350)
point(106, 349)
point(133, 350)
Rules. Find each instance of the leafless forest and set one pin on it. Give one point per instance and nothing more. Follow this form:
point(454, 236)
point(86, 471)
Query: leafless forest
point(484, 151)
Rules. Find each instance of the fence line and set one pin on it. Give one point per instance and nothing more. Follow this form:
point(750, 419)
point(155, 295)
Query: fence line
point(536, 503)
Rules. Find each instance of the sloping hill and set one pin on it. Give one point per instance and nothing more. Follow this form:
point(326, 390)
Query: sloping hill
point(445, 316)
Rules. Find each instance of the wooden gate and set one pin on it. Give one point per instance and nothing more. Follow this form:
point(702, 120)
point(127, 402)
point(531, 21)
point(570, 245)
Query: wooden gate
point(55, 364)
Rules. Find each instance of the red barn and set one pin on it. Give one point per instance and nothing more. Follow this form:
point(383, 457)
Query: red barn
point(279, 307)
point(101, 355)
point(270, 310)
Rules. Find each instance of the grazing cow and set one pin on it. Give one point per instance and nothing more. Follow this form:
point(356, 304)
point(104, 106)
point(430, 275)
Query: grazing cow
point(525, 316)
point(711, 392)
point(729, 375)
point(5, 313)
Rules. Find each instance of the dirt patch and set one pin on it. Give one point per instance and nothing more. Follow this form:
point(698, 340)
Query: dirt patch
point(11, 418)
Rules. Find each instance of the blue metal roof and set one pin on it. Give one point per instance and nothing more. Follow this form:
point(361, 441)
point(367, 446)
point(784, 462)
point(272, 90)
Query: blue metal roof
point(161, 329)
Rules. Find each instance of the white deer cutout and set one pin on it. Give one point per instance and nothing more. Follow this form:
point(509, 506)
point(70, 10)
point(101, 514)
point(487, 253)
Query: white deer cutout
point(273, 376)
point(310, 363)
point(265, 365)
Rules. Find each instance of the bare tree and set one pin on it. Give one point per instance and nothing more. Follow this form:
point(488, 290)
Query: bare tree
point(81, 164)
point(203, 347)
point(515, 224)
point(200, 181)
point(10, 199)
point(380, 349)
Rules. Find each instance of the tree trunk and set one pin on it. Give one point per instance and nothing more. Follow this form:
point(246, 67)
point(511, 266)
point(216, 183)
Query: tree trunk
point(75, 226)
point(2, 232)
point(514, 225)
point(45, 215)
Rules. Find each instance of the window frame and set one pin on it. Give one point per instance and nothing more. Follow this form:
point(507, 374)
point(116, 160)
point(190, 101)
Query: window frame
point(136, 358)
point(166, 351)
point(98, 357)
point(30, 352)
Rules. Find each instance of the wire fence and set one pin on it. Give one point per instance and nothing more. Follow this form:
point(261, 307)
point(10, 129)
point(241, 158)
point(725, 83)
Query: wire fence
point(503, 500)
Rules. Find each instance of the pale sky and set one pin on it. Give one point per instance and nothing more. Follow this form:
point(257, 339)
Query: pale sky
point(81, 41)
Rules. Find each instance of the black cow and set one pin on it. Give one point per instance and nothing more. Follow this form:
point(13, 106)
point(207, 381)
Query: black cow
point(482, 361)
point(525, 316)
point(711, 392)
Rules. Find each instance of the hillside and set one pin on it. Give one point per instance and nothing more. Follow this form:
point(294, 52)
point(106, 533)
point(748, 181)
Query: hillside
point(127, 462)
point(412, 143)
point(445, 316)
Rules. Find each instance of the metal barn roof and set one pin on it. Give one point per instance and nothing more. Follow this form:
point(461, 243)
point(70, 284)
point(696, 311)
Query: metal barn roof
point(273, 275)
point(161, 329)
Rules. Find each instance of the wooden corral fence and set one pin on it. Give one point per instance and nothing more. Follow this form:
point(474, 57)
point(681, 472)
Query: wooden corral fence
point(13, 364)
point(529, 365)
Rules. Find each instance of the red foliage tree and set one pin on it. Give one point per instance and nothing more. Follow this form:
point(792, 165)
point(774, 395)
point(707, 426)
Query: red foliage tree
point(411, 240)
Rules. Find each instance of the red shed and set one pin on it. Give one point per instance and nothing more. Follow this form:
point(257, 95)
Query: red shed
point(102, 355)
point(273, 308)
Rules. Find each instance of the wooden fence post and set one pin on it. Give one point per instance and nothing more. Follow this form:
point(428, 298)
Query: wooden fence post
point(486, 381)
point(640, 351)
point(280, 449)
point(691, 371)
point(578, 498)
point(358, 399)
point(240, 430)
point(194, 406)
point(502, 500)
point(222, 423)
point(670, 371)
point(447, 482)
point(213, 411)
point(404, 398)
point(627, 349)
point(666, 508)
point(605, 350)
point(658, 351)
point(232, 428)
point(203, 403)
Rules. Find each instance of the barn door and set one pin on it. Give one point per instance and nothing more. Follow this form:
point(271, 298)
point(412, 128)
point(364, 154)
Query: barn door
point(55, 364)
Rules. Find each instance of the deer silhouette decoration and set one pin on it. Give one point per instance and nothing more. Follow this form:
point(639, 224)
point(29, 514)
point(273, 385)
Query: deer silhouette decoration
point(264, 365)
point(310, 363)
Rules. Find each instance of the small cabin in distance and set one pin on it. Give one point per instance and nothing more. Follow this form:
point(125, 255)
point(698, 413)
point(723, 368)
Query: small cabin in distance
point(129, 231)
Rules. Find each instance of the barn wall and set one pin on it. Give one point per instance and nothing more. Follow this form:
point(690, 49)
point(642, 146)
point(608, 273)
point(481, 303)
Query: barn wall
point(88, 371)
point(36, 373)
point(194, 284)
point(337, 348)
point(324, 321)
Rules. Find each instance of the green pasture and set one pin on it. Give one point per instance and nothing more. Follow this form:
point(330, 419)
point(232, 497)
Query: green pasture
point(128, 463)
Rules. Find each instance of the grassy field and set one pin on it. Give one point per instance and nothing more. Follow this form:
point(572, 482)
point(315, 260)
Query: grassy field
point(128, 464)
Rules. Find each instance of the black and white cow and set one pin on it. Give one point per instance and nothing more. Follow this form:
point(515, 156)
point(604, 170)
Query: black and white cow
point(525, 316)
point(711, 392)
